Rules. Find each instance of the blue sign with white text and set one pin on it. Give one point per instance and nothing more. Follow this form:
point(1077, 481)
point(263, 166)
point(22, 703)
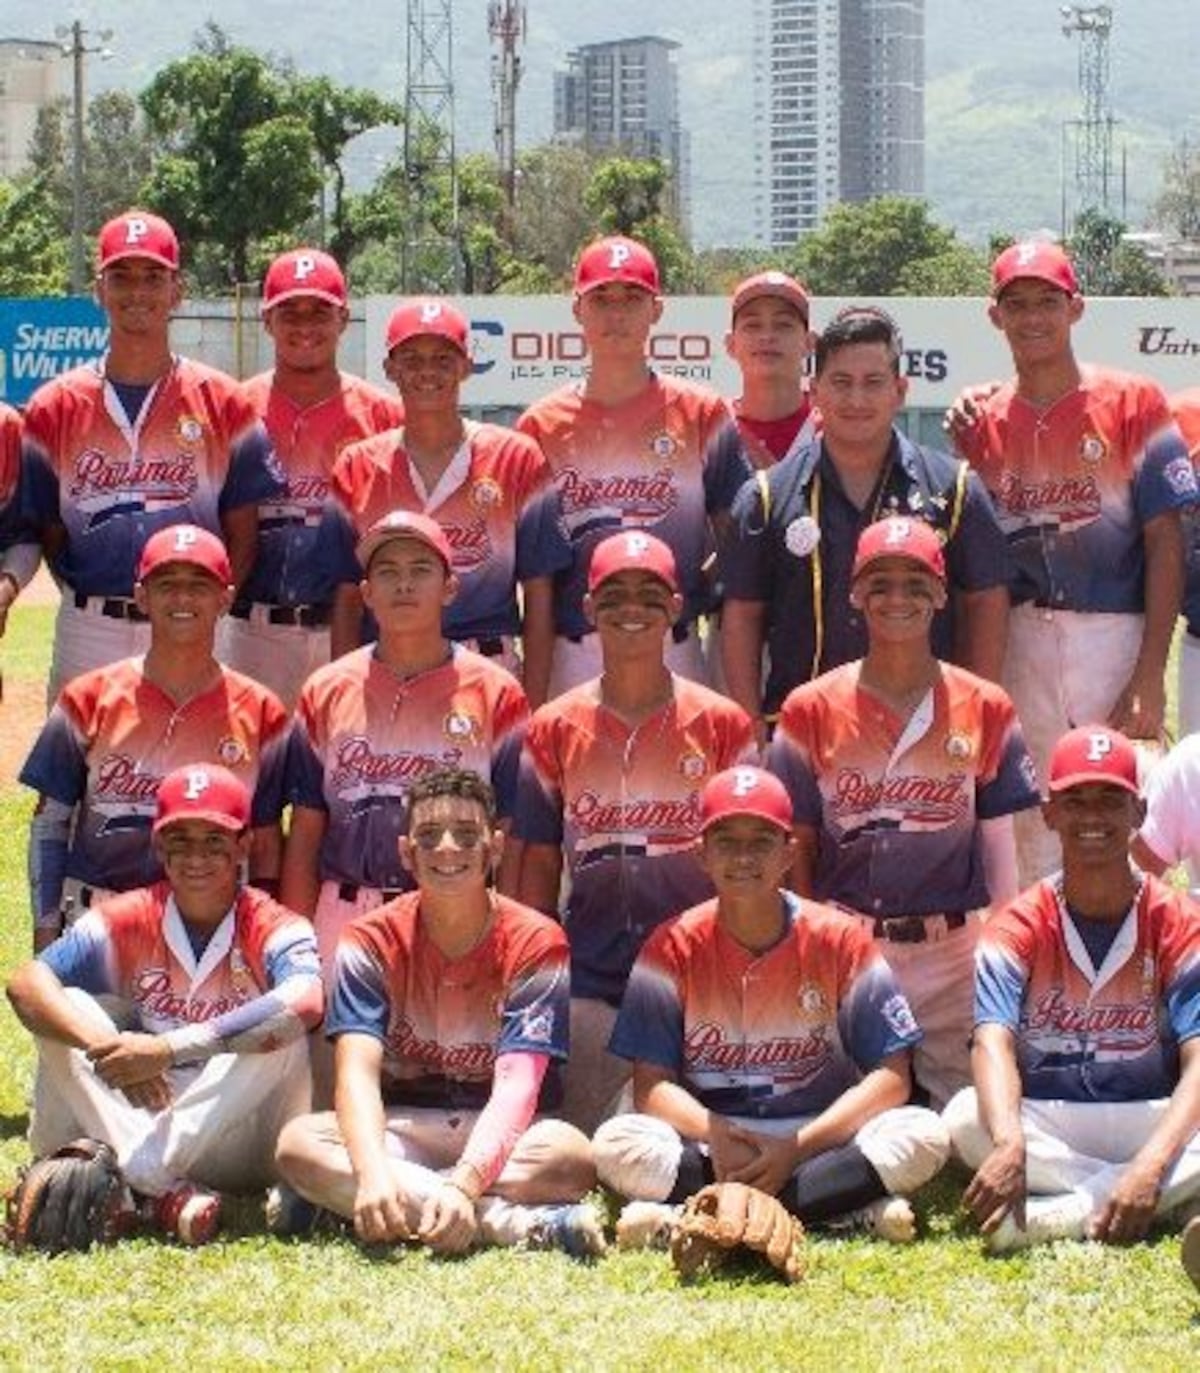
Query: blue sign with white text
point(40, 338)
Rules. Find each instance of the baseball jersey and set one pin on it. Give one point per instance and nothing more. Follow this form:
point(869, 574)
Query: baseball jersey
point(896, 805)
point(495, 503)
point(253, 986)
point(653, 462)
point(1088, 1034)
point(623, 803)
point(111, 738)
point(1185, 407)
point(195, 451)
point(443, 1021)
point(1075, 483)
point(10, 468)
point(767, 442)
point(362, 735)
point(1171, 828)
point(779, 1033)
point(295, 565)
point(792, 549)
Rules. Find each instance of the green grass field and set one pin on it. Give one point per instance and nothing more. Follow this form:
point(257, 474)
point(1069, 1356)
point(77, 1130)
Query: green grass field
point(250, 1302)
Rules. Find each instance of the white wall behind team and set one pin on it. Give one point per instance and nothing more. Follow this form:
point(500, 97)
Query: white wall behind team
point(523, 346)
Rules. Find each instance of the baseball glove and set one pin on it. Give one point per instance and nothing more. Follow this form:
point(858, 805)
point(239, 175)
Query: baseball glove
point(72, 1199)
point(725, 1216)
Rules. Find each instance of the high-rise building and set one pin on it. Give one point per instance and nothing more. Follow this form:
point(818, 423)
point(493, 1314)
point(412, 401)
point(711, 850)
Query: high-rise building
point(32, 74)
point(839, 108)
point(625, 95)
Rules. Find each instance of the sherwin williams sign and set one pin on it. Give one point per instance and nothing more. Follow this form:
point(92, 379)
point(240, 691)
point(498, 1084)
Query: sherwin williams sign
point(39, 339)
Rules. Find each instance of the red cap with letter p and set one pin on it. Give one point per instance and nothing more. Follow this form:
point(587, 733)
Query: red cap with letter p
point(404, 524)
point(185, 543)
point(427, 317)
point(900, 536)
point(203, 791)
point(616, 259)
point(633, 550)
point(303, 272)
point(1038, 260)
point(137, 233)
point(1094, 753)
point(745, 790)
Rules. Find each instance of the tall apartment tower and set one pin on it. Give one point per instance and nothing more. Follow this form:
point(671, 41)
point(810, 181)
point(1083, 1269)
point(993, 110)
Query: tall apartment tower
point(32, 74)
point(839, 108)
point(625, 95)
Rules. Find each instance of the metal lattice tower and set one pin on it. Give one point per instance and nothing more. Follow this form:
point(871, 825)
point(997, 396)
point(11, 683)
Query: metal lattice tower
point(429, 144)
point(1094, 129)
point(506, 25)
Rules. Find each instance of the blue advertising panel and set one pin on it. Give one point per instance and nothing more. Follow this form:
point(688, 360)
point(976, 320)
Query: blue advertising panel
point(41, 338)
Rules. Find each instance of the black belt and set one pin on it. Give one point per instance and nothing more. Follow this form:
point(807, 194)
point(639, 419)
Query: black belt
point(308, 616)
point(115, 607)
point(911, 929)
point(491, 645)
point(348, 891)
point(680, 633)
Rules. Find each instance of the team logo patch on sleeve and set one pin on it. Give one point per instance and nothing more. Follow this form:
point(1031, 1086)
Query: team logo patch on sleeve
point(899, 1017)
point(537, 1025)
point(1180, 476)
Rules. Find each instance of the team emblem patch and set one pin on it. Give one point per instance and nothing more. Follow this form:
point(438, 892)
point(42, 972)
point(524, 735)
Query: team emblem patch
point(959, 747)
point(663, 446)
point(190, 429)
point(899, 1017)
point(536, 1025)
point(692, 766)
point(231, 752)
point(486, 494)
point(802, 536)
point(810, 1001)
point(1092, 449)
point(459, 725)
point(1180, 476)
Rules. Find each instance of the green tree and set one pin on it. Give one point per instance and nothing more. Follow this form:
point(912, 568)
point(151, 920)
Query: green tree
point(551, 219)
point(628, 195)
point(1107, 264)
point(33, 250)
point(1177, 209)
point(888, 246)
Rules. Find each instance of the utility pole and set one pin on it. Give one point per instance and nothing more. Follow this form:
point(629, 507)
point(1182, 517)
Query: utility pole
point(73, 44)
point(429, 141)
point(506, 25)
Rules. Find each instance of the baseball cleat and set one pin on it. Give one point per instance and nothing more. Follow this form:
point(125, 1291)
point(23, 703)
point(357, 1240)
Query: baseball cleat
point(890, 1219)
point(1046, 1219)
point(189, 1214)
point(1189, 1252)
point(288, 1214)
point(646, 1225)
point(574, 1229)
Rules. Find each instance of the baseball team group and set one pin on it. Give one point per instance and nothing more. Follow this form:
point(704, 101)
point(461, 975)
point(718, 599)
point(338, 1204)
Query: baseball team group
point(732, 804)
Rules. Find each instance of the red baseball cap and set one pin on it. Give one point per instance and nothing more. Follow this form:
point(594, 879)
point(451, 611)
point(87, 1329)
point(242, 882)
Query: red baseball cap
point(632, 550)
point(138, 233)
point(1094, 753)
point(303, 272)
point(185, 543)
point(745, 790)
point(203, 791)
point(404, 524)
point(1037, 259)
point(616, 259)
point(900, 536)
point(777, 284)
point(428, 316)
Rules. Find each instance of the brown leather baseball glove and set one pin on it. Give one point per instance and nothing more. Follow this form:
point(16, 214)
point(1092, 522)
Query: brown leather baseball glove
point(725, 1216)
point(72, 1199)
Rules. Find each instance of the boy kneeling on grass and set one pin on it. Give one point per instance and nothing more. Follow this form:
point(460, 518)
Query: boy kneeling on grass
point(449, 1013)
point(770, 1045)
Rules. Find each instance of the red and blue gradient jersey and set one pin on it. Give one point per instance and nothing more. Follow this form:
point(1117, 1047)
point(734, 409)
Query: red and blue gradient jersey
point(896, 804)
point(10, 470)
point(654, 462)
point(1084, 1033)
point(362, 735)
point(443, 1021)
point(1075, 483)
point(500, 517)
point(774, 1034)
point(624, 805)
point(295, 564)
point(113, 735)
point(195, 451)
point(253, 985)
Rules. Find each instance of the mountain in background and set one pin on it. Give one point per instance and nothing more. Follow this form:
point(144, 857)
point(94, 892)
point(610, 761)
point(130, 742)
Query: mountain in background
point(1001, 82)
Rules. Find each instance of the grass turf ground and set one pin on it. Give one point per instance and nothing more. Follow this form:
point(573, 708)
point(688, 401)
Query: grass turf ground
point(251, 1302)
